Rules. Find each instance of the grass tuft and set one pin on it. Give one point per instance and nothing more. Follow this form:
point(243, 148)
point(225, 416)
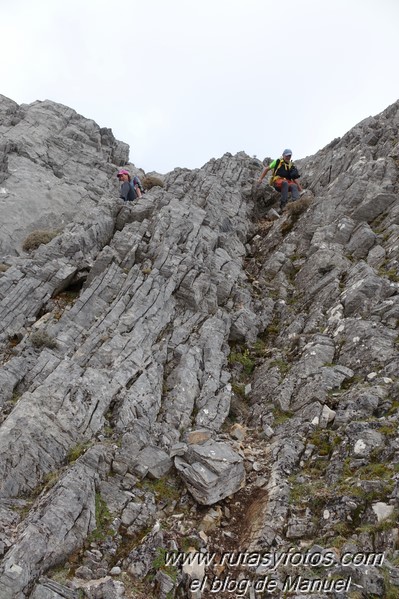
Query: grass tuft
point(36, 238)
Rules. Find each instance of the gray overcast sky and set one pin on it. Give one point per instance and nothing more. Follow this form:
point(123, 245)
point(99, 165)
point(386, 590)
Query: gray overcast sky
point(183, 82)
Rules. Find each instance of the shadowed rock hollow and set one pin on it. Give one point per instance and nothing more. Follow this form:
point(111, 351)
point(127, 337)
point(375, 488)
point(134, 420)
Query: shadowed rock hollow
point(187, 372)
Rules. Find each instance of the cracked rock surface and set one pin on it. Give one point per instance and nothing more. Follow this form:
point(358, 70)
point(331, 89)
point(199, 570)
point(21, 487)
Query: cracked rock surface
point(188, 373)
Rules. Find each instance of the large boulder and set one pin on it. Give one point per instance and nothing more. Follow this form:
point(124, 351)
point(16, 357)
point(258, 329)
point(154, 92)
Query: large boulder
point(211, 471)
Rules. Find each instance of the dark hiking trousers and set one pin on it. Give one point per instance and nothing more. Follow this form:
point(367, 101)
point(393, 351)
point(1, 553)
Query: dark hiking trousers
point(287, 186)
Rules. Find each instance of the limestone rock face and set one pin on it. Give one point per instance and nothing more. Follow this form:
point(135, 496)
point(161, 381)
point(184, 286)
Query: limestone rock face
point(53, 164)
point(139, 342)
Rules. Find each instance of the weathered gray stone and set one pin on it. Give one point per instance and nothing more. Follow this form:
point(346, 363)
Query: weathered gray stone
point(49, 589)
point(139, 307)
point(376, 256)
point(154, 461)
point(164, 583)
point(372, 208)
point(211, 471)
point(114, 498)
point(102, 588)
point(363, 440)
point(137, 515)
point(361, 241)
point(300, 528)
point(327, 416)
point(140, 560)
point(382, 510)
point(84, 572)
point(58, 525)
point(55, 149)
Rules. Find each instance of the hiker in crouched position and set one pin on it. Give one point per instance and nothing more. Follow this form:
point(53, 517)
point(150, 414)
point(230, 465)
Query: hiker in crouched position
point(130, 188)
point(126, 192)
point(284, 178)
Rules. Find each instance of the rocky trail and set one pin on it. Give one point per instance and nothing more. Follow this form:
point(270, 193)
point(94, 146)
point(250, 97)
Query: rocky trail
point(198, 398)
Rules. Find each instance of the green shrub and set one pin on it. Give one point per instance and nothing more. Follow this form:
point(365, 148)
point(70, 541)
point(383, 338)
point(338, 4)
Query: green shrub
point(281, 365)
point(280, 416)
point(75, 452)
point(244, 358)
point(391, 274)
point(238, 389)
point(273, 329)
point(259, 348)
point(103, 521)
point(164, 488)
point(387, 524)
point(159, 564)
point(37, 238)
point(150, 181)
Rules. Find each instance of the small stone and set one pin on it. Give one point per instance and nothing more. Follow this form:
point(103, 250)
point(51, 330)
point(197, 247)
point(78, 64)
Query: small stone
point(360, 446)
point(261, 481)
point(94, 555)
point(119, 467)
point(84, 572)
point(115, 571)
point(268, 431)
point(382, 510)
point(273, 214)
point(211, 520)
point(129, 481)
point(195, 570)
point(178, 449)
point(211, 471)
point(247, 389)
point(203, 536)
point(101, 572)
point(198, 437)
point(327, 416)
point(237, 431)
point(141, 470)
point(165, 582)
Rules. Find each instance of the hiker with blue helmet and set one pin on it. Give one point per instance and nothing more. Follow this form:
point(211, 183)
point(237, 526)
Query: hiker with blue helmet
point(284, 178)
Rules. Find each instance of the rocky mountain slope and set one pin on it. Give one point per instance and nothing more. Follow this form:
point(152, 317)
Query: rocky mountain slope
point(53, 161)
point(200, 399)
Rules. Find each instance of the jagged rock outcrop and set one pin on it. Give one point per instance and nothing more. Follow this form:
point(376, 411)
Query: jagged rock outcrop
point(53, 164)
point(135, 338)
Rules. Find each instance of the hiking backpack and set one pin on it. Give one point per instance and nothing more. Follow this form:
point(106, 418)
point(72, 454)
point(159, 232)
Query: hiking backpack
point(136, 181)
point(291, 171)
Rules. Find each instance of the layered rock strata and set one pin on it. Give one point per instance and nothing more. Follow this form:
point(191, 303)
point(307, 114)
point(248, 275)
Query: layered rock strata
point(132, 341)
